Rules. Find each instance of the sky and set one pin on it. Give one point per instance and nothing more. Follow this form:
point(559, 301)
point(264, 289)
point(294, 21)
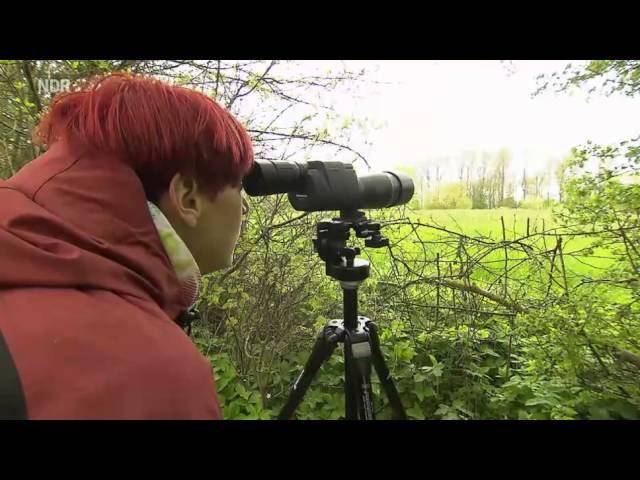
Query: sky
point(440, 108)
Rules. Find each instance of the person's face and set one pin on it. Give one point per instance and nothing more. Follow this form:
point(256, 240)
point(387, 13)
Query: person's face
point(209, 228)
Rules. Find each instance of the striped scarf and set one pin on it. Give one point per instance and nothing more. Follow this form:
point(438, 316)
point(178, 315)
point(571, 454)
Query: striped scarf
point(183, 262)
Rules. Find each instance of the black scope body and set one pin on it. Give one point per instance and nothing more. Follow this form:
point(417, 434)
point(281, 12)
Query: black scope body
point(328, 185)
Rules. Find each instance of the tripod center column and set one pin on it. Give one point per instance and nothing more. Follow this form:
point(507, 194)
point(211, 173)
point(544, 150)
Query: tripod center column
point(350, 304)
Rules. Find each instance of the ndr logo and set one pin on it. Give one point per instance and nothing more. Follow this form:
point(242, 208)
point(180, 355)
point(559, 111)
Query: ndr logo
point(53, 85)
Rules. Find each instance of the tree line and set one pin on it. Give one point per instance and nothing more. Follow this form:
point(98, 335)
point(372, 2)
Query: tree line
point(487, 180)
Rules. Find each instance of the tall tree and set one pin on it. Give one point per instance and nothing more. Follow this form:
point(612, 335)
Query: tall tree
point(504, 159)
point(561, 173)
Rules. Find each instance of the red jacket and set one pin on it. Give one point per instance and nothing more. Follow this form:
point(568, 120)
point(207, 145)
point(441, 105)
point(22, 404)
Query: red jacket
point(88, 298)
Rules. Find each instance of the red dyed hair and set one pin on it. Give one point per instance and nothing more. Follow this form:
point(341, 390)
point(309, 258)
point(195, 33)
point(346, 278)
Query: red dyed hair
point(159, 129)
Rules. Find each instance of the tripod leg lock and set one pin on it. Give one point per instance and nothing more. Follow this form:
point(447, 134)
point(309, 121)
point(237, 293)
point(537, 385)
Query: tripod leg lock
point(361, 353)
point(361, 350)
point(332, 333)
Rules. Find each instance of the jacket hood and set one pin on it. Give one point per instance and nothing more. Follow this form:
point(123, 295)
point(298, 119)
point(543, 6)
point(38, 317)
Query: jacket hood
point(70, 219)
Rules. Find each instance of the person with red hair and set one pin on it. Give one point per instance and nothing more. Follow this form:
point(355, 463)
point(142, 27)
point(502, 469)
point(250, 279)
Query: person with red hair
point(103, 240)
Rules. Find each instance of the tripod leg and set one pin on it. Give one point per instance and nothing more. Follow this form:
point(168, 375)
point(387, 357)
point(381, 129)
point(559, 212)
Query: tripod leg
point(362, 359)
point(326, 343)
point(350, 383)
point(358, 370)
point(384, 375)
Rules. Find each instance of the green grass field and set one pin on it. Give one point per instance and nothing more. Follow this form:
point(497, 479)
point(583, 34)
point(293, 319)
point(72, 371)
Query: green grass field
point(580, 261)
point(487, 222)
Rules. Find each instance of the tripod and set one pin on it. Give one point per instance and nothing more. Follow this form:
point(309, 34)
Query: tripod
point(358, 334)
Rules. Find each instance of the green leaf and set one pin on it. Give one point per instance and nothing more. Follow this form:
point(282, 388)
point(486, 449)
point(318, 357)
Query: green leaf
point(266, 415)
point(422, 391)
point(255, 399)
point(539, 401)
point(416, 413)
point(229, 304)
point(625, 410)
point(240, 390)
point(419, 377)
point(442, 409)
point(253, 414)
point(490, 352)
point(451, 415)
point(232, 410)
point(459, 406)
point(483, 333)
point(223, 381)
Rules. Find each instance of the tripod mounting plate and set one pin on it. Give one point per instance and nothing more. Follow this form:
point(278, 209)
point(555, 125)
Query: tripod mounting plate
point(362, 325)
point(357, 272)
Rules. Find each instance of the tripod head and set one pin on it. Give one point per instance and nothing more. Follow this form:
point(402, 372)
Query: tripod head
point(331, 244)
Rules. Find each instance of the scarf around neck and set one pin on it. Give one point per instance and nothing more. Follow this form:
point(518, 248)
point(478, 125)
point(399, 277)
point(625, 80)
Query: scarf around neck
point(184, 264)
